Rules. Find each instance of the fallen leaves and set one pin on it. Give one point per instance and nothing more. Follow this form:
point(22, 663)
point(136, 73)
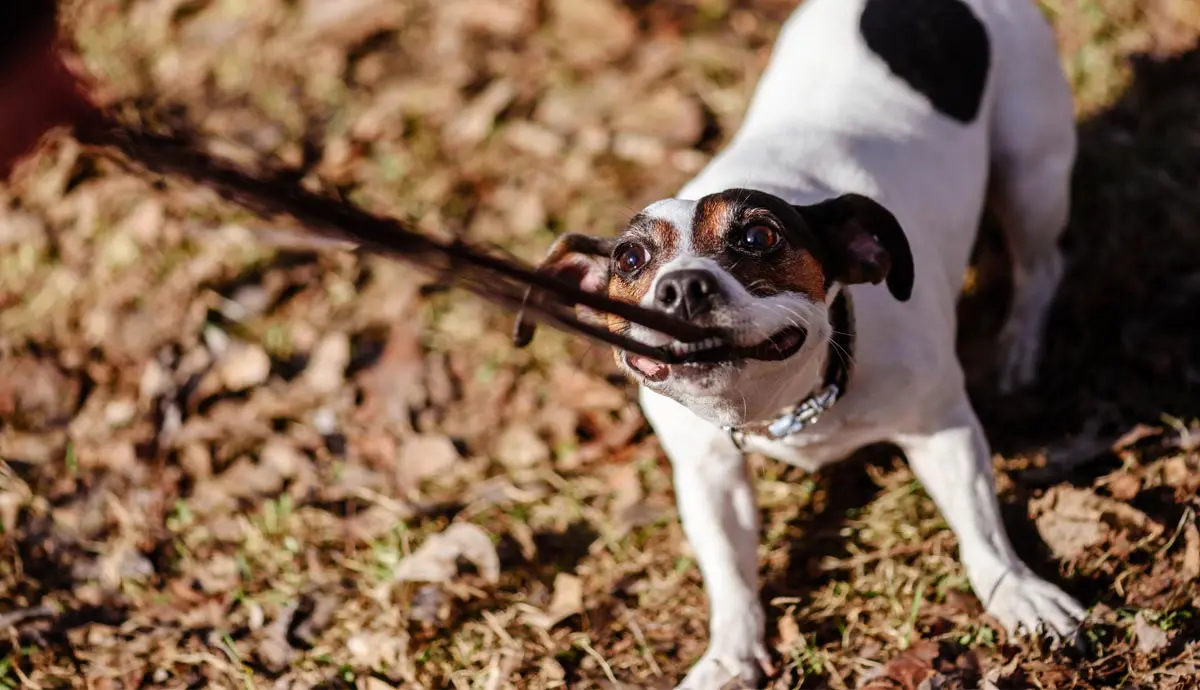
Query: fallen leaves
point(424, 457)
point(1150, 637)
point(326, 369)
point(394, 384)
point(376, 649)
point(520, 447)
point(243, 366)
point(1191, 551)
point(349, 21)
point(1071, 520)
point(35, 393)
point(576, 23)
point(253, 419)
point(436, 560)
point(272, 648)
point(566, 601)
point(926, 665)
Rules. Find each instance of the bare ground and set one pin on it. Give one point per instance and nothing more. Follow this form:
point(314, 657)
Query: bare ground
point(230, 458)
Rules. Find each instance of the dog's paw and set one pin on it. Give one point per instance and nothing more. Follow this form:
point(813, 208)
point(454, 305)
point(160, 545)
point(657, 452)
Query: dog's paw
point(1025, 604)
point(728, 669)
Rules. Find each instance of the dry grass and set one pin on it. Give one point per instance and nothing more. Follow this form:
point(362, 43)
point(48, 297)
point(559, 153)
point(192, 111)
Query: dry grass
point(218, 450)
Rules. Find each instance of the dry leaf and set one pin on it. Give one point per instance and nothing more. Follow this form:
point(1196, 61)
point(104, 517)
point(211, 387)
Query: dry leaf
point(519, 447)
point(789, 634)
point(475, 121)
point(1179, 474)
point(242, 366)
point(667, 115)
point(124, 563)
point(437, 559)
point(1150, 637)
point(34, 393)
point(596, 30)
point(500, 490)
point(1124, 486)
point(281, 457)
point(375, 649)
point(423, 457)
point(218, 574)
point(566, 601)
point(323, 609)
point(394, 384)
point(429, 605)
point(32, 448)
point(582, 391)
point(272, 648)
point(1191, 552)
point(629, 508)
point(926, 664)
point(502, 18)
point(247, 479)
point(368, 525)
point(349, 21)
point(326, 368)
point(1071, 520)
point(1138, 433)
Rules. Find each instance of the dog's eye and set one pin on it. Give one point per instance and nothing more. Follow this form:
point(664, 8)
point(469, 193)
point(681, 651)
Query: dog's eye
point(631, 258)
point(756, 239)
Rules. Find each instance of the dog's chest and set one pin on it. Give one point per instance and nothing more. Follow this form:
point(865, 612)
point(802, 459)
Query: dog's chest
point(829, 440)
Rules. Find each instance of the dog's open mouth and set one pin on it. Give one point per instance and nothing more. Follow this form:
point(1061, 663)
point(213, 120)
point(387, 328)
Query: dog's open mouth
point(778, 347)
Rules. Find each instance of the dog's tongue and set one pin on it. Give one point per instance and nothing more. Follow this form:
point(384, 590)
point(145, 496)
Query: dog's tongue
point(653, 370)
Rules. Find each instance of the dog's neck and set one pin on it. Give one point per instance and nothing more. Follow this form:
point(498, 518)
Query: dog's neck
point(825, 377)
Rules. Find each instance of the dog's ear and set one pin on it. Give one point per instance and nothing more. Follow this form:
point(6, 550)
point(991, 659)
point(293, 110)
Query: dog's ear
point(863, 242)
point(581, 260)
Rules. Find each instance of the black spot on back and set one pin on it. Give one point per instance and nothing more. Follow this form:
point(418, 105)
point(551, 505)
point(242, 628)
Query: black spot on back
point(938, 47)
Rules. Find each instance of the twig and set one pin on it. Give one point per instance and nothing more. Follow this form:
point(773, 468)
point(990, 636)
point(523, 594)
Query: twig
point(15, 618)
point(583, 643)
point(491, 277)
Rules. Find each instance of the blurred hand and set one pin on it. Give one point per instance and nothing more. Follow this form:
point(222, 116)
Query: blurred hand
point(37, 93)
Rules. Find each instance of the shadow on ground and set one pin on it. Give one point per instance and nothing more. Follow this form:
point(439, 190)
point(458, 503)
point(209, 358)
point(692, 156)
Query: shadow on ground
point(1122, 344)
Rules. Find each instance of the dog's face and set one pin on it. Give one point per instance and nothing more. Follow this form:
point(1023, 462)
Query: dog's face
point(750, 263)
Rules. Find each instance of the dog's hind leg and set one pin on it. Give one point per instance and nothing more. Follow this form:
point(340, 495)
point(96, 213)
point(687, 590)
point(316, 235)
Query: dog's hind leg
point(1033, 144)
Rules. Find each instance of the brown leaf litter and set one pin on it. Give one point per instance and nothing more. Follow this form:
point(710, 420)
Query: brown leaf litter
point(221, 447)
point(926, 665)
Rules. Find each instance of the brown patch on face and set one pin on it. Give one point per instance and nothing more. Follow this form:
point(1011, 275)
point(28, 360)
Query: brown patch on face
point(660, 239)
point(788, 269)
point(794, 264)
point(711, 222)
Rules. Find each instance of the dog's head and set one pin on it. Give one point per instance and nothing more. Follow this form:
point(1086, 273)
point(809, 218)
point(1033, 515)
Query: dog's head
point(746, 261)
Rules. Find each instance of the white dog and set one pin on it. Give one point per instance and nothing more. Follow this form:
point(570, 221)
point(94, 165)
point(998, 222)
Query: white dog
point(832, 234)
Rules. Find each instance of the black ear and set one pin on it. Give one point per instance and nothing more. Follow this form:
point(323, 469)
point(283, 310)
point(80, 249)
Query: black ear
point(863, 241)
point(579, 259)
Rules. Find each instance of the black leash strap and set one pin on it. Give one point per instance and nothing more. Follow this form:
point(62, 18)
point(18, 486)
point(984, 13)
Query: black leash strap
point(487, 275)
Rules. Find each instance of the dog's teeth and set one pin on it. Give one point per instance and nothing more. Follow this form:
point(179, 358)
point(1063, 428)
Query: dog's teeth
point(691, 348)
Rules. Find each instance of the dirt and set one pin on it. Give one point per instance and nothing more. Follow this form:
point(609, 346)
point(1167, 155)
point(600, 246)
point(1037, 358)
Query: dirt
point(230, 457)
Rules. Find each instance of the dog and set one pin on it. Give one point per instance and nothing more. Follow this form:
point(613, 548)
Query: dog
point(833, 233)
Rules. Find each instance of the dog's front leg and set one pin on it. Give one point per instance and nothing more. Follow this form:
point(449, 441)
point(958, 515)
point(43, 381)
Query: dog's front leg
point(720, 517)
point(953, 463)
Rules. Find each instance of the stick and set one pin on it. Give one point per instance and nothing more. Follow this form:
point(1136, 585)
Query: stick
point(491, 277)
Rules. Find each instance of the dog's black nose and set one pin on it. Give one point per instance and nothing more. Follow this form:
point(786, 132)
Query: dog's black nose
point(687, 292)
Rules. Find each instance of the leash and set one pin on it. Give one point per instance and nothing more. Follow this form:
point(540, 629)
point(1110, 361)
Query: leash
point(29, 30)
point(500, 280)
point(169, 146)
